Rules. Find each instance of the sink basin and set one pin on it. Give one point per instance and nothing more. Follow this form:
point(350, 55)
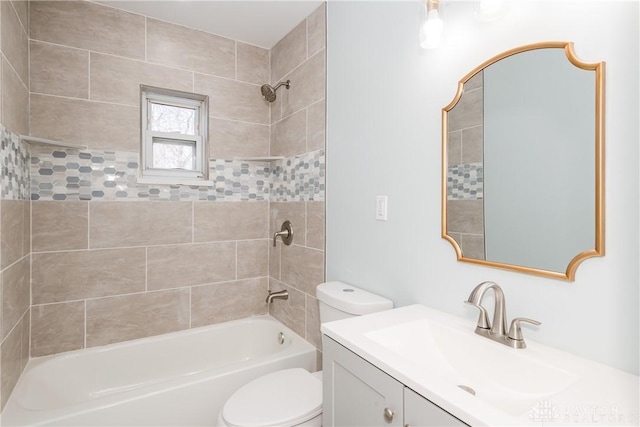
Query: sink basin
point(508, 379)
point(439, 356)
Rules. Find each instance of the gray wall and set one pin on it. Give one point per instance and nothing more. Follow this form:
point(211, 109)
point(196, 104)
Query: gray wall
point(384, 104)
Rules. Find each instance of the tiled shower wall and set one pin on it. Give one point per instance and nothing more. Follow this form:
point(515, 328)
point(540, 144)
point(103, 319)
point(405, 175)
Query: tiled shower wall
point(298, 123)
point(113, 260)
point(110, 263)
point(465, 209)
point(14, 204)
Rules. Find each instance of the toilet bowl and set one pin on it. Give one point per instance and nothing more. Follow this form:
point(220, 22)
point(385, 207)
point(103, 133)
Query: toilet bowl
point(287, 398)
point(293, 397)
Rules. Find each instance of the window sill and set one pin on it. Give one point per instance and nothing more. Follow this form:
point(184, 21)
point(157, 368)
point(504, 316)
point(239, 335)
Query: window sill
point(174, 181)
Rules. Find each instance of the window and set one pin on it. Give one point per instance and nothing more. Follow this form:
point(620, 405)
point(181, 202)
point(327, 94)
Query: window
point(174, 137)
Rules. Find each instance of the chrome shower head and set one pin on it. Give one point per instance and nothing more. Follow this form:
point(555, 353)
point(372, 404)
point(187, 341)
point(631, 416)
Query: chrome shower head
point(269, 92)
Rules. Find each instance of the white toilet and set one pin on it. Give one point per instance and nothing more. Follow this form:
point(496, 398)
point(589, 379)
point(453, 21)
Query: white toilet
point(293, 397)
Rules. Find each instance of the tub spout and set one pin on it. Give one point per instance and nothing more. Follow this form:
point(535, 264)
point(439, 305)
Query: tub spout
point(284, 294)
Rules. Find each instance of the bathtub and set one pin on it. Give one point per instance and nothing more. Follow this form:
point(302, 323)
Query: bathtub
point(177, 379)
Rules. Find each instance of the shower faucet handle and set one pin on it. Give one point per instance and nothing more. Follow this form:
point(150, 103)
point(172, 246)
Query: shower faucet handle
point(286, 233)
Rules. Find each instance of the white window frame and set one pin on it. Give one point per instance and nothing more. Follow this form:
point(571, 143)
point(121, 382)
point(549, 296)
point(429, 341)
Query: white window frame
point(151, 175)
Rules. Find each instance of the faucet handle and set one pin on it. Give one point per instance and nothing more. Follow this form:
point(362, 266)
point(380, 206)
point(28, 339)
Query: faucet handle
point(483, 318)
point(515, 333)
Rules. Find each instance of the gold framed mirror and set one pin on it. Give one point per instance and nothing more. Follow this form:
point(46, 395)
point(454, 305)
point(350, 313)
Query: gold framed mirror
point(523, 162)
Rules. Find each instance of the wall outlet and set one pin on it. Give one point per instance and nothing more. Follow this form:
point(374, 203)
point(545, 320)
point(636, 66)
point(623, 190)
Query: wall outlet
point(381, 208)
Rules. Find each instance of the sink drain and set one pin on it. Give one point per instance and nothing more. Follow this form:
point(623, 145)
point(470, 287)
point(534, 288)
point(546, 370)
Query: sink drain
point(467, 389)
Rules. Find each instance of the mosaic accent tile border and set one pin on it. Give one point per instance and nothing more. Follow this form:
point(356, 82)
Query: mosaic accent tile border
point(465, 182)
point(299, 178)
point(71, 174)
point(14, 174)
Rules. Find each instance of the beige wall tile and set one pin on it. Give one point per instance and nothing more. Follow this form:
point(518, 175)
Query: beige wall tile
point(88, 25)
point(316, 29)
point(316, 126)
point(222, 302)
point(15, 101)
point(229, 139)
point(11, 362)
point(16, 295)
point(22, 8)
point(60, 225)
point(289, 136)
point(465, 216)
point(229, 99)
point(289, 52)
point(307, 84)
point(26, 227)
point(454, 148)
point(289, 211)
point(315, 225)
point(26, 335)
point(1, 88)
point(276, 109)
point(312, 331)
point(99, 125)
point(472, 246)
point(139, 223)
point(292, 311)
point(230, 221)
point(472, 144)
point(57, 328)
point(455, 236)
point(66, 276)
point(118, 80)
point(475, 82)
point(187, 265)
point(58, 70)
point(11, 238)
point(302, 268)
point(183, 47)
point(253, 258)
point(468, 112)
point(129, 317)
point(274, 260)
point(253, 64)
point(14, 41)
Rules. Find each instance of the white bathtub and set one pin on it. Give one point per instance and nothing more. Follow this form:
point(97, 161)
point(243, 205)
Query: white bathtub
point(177, 379)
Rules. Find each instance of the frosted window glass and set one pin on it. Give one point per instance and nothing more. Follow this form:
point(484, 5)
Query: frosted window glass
point(173, 154)
point(169, 118)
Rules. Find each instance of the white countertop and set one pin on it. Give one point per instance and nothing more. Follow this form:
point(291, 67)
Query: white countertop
point(600, 395)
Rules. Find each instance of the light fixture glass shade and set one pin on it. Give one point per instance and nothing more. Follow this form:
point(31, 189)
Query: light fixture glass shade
point(490, 10)
point(431, 30)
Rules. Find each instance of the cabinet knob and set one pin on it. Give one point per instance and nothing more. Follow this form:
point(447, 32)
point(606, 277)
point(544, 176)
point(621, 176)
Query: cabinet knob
point(388, 414)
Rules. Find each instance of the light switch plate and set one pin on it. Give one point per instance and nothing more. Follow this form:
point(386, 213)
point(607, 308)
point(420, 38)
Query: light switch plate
point(381, 208)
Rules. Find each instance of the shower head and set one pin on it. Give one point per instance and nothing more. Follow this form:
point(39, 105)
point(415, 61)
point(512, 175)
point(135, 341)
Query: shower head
point(269, 92)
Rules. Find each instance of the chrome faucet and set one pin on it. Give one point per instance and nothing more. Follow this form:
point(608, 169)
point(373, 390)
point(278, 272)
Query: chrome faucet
point(497, 328)
point(284, 294)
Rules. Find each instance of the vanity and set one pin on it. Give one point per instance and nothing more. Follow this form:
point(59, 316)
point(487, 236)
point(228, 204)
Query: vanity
point(363, 395)
point(416, 366)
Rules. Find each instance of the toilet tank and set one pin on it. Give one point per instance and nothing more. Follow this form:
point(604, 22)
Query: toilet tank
point(339, 301)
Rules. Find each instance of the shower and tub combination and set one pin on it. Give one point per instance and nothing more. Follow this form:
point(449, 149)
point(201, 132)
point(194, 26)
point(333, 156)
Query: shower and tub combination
point(253, 371)
point(178, 379)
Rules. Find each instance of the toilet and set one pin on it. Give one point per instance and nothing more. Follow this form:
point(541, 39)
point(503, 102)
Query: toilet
point(293, 397)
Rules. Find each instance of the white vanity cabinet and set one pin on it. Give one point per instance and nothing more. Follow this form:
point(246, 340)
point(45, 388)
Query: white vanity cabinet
point(356, 393)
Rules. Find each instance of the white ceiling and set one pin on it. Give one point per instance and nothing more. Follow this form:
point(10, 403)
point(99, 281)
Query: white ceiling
point(259, 22)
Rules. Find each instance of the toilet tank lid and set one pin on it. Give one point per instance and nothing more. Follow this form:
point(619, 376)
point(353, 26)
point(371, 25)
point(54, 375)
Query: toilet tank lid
point(350, 299)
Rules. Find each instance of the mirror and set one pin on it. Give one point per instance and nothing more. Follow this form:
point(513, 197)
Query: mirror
point(522, 162)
